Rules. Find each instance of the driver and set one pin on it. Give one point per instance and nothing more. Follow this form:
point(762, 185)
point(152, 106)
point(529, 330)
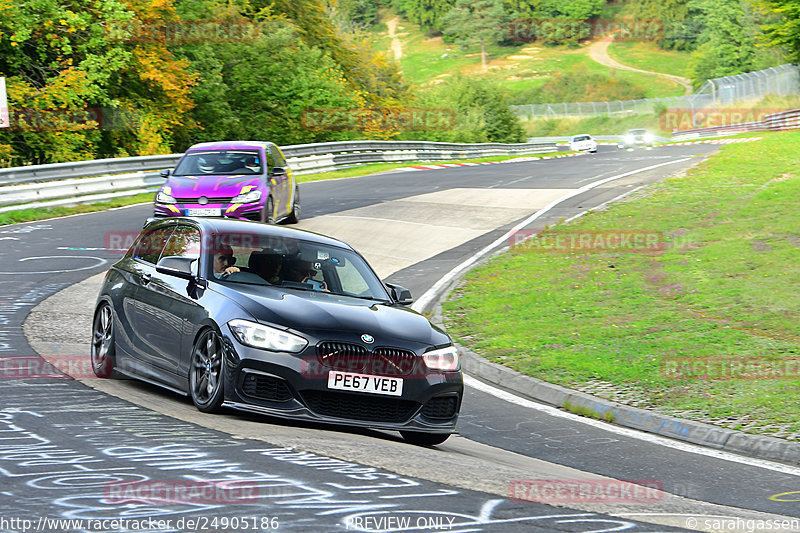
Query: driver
point(224, 261)
point(252, 165)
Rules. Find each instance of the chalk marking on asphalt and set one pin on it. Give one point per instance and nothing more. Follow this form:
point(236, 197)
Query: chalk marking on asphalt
point(431, 293)
point(626, 432)
point(100, 262)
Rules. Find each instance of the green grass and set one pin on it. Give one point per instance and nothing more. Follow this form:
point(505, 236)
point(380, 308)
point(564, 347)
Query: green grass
point(517, 68)
point(724, 288)
point(648, 56)
point(29, 215)
point(593, 125)
point(42, 213)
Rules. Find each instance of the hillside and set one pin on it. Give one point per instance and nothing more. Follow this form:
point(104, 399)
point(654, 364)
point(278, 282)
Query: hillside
point(523, 67)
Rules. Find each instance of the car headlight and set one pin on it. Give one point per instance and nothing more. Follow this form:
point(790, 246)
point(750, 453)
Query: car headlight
point(648, 137)
point(265, 337)
point(442, 359)
point(164, 198)
point(247, 198)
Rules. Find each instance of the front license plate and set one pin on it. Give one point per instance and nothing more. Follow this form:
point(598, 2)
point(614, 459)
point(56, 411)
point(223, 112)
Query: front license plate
point(365, 383)
point(204, 212)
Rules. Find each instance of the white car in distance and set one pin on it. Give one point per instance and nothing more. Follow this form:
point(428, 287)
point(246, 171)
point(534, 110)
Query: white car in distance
point(582, 143)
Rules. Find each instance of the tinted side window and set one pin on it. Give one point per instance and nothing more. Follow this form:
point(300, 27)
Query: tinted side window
point(184, 242)
point(279, 160)
point(151, 244)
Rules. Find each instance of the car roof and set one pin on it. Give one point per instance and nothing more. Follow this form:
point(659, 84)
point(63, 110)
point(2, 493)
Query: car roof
point(229, 225)
point(581, 135)
point(636, 130)
point(230, 145)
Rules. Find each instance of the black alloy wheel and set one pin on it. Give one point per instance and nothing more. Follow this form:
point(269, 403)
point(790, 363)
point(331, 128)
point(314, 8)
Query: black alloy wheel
point(103, 348)
point(205, 373)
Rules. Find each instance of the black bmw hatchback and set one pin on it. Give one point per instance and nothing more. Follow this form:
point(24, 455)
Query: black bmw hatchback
point(278, 321)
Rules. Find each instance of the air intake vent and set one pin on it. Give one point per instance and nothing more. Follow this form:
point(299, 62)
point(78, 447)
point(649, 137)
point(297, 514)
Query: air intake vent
point(359, 407)
point(264, 387)
point(441, 407)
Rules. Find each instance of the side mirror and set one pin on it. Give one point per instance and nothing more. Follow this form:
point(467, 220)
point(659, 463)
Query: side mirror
point(180, 267)
point(278, 172)
point(400, 294)
point(165, 173)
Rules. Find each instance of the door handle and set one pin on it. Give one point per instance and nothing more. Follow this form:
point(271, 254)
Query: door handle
point(146, 278)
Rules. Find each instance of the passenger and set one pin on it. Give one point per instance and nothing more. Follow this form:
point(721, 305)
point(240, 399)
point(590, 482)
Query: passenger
point(303, 272)
point(267, 265)
point(224, 261)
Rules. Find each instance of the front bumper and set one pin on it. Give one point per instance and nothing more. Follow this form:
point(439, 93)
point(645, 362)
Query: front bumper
point(240, 211)
point(295, 386)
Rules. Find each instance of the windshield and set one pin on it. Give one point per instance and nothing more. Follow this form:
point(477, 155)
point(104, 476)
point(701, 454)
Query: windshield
point(220, 162)
point(291, 265)
point(578, 138)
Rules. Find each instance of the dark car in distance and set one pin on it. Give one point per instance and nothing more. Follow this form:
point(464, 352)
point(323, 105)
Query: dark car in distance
point(278, 321)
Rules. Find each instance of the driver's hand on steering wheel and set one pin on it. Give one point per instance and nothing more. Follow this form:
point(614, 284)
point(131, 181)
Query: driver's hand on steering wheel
point(230, 270)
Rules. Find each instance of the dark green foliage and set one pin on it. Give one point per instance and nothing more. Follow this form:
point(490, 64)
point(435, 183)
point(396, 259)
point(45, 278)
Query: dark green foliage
point(260, 91)
point(782, 29)
point(475, 22)
point(481, 109)
point(581, 85)
point(426, 13)
point(356, 14)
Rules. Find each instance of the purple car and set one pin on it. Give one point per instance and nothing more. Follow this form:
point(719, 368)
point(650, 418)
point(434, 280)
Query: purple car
point(248, 180)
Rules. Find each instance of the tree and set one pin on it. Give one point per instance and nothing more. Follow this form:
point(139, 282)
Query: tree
point(784, 32)
point(727, 44)
point(427, 13)
point(481, 110)
point(473, 22)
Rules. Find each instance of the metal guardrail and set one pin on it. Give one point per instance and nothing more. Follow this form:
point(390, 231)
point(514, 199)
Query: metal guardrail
point(785, 120)
point(103, 179)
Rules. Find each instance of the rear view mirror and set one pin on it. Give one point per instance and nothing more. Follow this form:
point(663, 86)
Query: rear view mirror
point(278, 171)
point(400, 294)
point(180, 267)
point(165, 173)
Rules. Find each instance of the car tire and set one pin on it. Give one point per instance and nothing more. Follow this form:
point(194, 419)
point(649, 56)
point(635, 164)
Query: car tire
point(206, 373)
point(294, 215)
point(424, 439)
point(267, 215)
point(103, 350)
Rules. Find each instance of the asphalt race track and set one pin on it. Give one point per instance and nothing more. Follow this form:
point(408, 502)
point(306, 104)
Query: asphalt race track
point(67, 446)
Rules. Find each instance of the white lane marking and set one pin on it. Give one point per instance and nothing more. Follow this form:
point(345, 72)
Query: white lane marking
point(431, 293)
point(100, 262)
point(632, 433)
point(512, 182)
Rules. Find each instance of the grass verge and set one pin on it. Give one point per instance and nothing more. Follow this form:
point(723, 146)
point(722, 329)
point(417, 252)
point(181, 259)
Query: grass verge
point(42, 213)
point(703, 325)
point(648, 56)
